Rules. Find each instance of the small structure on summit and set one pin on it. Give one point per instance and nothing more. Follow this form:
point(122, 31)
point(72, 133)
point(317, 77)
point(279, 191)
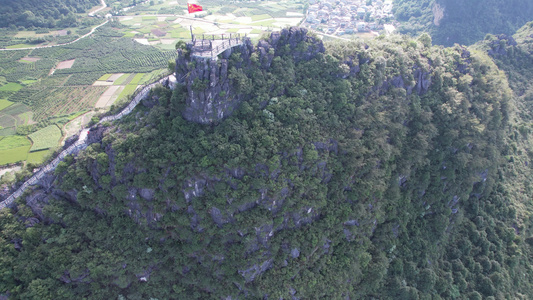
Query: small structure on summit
point(214, 85)
point(210, 46)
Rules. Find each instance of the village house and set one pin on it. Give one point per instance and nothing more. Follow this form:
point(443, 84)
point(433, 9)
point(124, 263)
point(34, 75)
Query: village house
point(361, 26)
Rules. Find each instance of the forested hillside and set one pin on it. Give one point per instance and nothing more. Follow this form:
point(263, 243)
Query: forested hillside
point(43, 13)
point(389, 169)
point(462, 22)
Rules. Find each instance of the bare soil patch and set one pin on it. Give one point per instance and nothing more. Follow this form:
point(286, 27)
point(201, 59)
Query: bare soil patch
point(168, 41)
point(142, 41)
point(102, 83)
point(30, 59)
point(158, 33)
point(74, 126)
point(67, 64)
point(109, 96)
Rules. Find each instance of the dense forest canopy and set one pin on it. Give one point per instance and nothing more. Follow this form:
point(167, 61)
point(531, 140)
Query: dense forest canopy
point(43, 13)
point(462, 22)
point(387, 169)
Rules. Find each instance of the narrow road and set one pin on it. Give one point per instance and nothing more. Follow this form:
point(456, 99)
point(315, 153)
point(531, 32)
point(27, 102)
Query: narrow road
point(104, 5)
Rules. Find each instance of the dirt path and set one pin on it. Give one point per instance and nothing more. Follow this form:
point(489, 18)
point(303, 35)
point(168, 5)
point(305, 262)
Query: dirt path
point(75, 125)
point(104, 5)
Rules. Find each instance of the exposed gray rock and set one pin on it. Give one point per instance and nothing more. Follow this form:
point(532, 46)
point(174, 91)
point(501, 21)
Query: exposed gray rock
point(351, 223)
point(195, 220)
point(264, 234)
point(96, 133)
point(194, 188)
point(81, 278)
point(246, 206)
point(217, 216)
point(295, 253)
point(327, 246)
point(70, 140)
point(237, 173)
point(147, 194)
point(251, 273)
point(212, 94)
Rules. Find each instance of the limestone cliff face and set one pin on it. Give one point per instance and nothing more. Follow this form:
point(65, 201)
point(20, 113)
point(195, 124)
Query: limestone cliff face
point(212, 92)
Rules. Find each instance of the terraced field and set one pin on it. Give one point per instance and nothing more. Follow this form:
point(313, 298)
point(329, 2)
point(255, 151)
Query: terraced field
point(116, 60)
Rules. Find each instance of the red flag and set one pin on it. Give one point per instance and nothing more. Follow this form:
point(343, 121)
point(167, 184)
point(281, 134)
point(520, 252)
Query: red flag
point(194, 7)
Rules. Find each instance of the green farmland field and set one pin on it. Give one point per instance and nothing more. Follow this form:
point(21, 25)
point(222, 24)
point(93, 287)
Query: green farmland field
point(45, 138)
point(10, 87)
point(14, 141)
point(15, 109)
point(4, 103)
point(13, 149)
point(137, 78)
point(14, 155)
point(37, 157)
point(105, 77)
point(128, 90)
point(124, 79)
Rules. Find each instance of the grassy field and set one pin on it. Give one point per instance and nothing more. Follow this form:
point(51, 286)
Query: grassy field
point(45, 138)
point(12, 116)
point(105, 77)
point(14, 155)
point(11, 87)
point(37, 157)
point(20, 46)
point(128, 90)
point(15, 141)
point(24, 118)
point(124, 79)
point(137, 78)
point(5, 103)
point(13, 149)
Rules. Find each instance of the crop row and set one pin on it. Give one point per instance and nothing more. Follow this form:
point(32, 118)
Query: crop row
point(65, 100)
point(17, 71)
point(45, 138)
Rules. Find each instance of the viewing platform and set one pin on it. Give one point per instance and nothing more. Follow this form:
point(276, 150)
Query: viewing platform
point(210, 46)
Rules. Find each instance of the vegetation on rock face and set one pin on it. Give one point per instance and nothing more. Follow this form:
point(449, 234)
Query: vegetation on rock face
point(463, 22)
point(389, 169)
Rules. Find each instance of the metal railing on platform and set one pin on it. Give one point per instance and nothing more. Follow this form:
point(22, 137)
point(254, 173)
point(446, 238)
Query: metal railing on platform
point(204, 47)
